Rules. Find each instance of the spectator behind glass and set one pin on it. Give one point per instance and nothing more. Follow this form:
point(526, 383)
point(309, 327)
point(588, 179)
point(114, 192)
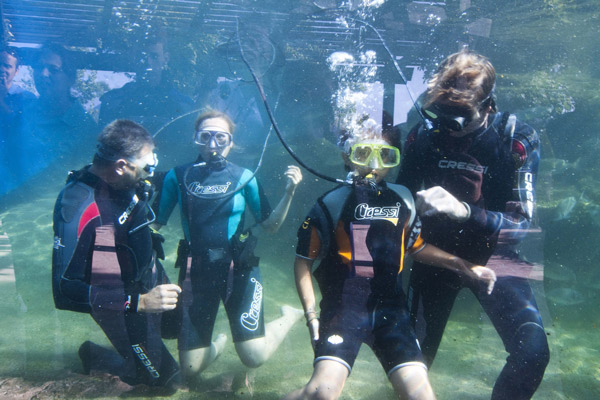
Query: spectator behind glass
point(152, 99)
point(12, 101)
point(52, 126)
point(12, 98)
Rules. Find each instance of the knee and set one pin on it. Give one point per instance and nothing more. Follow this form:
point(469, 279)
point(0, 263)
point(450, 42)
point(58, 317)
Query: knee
point(251, 353)
point(531, 347)
point(251, 360)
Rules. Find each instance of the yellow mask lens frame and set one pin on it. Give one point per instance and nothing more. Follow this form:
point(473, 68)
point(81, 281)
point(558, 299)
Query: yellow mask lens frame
point(375, 155)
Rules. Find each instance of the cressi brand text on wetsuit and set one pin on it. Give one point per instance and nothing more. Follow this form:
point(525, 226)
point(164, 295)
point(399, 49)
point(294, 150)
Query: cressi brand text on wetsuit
point(210, 222)
point(100, 268)
point(356, 232)
point(493, 170)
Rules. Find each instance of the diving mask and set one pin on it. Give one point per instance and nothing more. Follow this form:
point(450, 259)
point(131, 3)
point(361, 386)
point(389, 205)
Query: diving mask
point(374, 155)
point(148, 163)
point(213, 138)
point(444, 120)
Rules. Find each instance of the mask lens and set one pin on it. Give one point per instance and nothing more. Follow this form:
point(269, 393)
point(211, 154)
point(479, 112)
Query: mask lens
point(360, 154)
point(147, 163)
point(375, 155)
point(222, 139)
point(150, 167)
point(430, 114)
point(390, 156)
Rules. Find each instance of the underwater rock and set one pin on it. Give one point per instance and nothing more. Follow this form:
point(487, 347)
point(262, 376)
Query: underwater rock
point(565, 297)
point(564, 208)
point(559, 273)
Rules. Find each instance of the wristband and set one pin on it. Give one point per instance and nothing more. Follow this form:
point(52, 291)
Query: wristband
point(468, 207)
point(310, 315)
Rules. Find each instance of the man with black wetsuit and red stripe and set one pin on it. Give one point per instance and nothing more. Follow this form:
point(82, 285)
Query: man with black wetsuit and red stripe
point(478, 169)
point(104, 260)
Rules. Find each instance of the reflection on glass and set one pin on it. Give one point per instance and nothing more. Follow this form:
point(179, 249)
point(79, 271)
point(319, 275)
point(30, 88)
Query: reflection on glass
point(67, 69)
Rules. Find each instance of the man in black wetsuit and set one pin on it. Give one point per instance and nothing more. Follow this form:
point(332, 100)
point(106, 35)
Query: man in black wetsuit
point(104, 260)
point(478, 168)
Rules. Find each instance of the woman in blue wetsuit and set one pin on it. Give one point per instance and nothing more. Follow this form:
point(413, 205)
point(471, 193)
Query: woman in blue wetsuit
point(478, 168)
point(222, 268)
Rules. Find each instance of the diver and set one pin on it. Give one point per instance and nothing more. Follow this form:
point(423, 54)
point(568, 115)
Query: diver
point(362, 232)
point(104, 260)
point(478, 167)
point(213, 194)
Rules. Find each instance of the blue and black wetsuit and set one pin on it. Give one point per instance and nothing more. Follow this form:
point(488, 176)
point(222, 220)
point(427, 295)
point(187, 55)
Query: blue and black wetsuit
point(362, 236)
point(211, 224)
point(100, 268)
point(493, 170)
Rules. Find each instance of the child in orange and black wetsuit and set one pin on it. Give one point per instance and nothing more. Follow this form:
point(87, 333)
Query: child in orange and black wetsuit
point(362, 232)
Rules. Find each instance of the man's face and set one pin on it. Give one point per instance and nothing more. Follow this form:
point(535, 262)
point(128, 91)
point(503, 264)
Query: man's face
point(50, 79)
point(8, 69)
point(156, 61)
point(137, 169)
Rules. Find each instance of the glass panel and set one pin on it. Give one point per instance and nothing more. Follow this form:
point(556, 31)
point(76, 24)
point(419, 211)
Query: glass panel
point(82, 317)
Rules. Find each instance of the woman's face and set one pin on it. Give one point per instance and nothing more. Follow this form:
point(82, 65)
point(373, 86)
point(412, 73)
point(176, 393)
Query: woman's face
point(216, 127)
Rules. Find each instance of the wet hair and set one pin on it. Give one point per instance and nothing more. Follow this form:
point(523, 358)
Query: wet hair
point(465, 80)
point(11, 51)
point(121, 138)
point(365, 130)
point(210, 114)
point(65, 56)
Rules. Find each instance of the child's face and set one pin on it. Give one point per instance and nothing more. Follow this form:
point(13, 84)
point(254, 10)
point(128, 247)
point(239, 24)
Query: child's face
point(373, 157)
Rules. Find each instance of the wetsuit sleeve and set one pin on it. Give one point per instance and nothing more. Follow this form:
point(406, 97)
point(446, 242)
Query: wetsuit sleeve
point(410, 174)
point(169, 197)
point(415, 242)
point(515, 220)
point(256, 199)
point(309, 236)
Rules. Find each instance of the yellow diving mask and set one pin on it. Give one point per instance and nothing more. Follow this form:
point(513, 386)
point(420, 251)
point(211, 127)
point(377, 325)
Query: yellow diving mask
point(374, 155)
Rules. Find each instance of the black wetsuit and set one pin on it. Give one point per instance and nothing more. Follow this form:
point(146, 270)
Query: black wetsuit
point(493, 170)
point(100, 268)
point(211, 224)
point(357, 232)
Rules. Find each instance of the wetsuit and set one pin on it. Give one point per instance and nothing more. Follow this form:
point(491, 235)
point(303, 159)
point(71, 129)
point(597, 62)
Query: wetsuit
point(493, 170)
point(100, 268)
point(212, 224)
point(362, 235)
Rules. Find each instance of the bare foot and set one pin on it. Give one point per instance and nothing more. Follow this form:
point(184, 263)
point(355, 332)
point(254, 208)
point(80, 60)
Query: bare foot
point(294, 314)
point(219, 343)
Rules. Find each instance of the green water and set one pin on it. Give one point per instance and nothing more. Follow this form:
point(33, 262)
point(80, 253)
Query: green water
point(546, 55)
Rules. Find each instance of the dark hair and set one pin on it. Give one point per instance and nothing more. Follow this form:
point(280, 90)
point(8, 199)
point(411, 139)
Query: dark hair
point(11, 51)
point(121, 138)
point(65, 56)
point(211, 113)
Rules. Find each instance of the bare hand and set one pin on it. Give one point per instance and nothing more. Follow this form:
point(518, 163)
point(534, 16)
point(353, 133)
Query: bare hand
point(437, 200)
point(486, 275)
point(160, 298)
point(294, 175)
